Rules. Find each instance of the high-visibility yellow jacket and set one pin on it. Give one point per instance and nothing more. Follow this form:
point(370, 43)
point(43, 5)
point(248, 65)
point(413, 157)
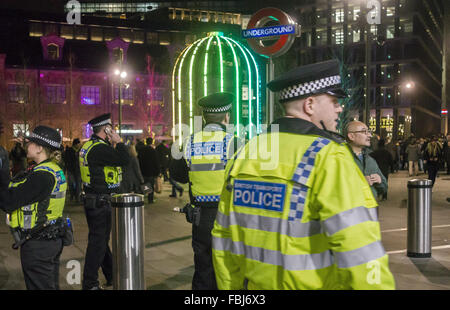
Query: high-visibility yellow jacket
point(206, 154)
point(39, 212)
point(310, 222)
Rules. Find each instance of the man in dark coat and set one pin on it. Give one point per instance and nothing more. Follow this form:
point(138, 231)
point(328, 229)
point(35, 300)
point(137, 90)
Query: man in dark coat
point(4, 158)
point(150, 167)
point(72, 165)
point(163, 158)
point(384, 160)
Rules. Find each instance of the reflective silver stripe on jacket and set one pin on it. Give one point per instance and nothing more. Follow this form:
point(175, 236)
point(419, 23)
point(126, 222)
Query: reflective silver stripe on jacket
point(27, 218)
point(58, 195)
point(360, 256)
point(285, 227)
point(349, 218)
point(288, 262)
point(207, 167)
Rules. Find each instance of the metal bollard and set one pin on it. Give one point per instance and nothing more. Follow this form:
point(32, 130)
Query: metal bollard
point(128, 241)
point(419, 218)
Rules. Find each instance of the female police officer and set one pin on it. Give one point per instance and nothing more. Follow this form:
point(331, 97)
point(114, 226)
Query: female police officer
point(34, 204)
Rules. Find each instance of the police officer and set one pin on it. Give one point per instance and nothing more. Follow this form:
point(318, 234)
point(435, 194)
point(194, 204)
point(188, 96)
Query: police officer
point(206, 154)
point(309, 222)
point(34, 202)
point(100, 166)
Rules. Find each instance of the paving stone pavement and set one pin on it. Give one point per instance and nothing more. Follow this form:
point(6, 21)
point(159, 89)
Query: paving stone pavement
point(169, 258)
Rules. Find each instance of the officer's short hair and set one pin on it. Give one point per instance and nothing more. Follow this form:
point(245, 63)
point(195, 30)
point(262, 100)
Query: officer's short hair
point(214, 117)
point(97, 129)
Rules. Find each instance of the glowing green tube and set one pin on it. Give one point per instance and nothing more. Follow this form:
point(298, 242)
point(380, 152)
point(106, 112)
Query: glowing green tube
point(205, 69)
point(191, 99)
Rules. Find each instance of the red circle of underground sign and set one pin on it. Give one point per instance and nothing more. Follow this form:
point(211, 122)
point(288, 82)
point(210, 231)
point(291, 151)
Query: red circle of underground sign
point(282, 18)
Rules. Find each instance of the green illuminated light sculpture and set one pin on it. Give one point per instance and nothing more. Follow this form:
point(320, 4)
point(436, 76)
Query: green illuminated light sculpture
point(212, 64)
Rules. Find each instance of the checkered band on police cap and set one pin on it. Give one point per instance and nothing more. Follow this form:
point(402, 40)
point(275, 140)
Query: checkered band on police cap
point(218, 110)
point(309, 87)
point(48, 141)
point(105, 122)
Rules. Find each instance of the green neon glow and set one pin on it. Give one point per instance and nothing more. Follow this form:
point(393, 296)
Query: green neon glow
point(173, 91)
point(258, 98)
point(221, 63)
point(236, 66)
point(249, 89)
point(191, 99)
point(179, 88)
point(205, 70)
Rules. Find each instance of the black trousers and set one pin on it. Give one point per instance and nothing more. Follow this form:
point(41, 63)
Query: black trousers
point(204, 277)
point(151, 181)
point(433, 168)
point(98, 253)
point(40, 263)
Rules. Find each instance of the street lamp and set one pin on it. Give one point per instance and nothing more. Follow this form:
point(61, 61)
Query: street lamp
point(121, 74)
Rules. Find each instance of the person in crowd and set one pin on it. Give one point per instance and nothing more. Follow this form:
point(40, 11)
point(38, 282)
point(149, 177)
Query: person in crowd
point(384, 161)
point(374, 142)
point(150, 166)
point(358, 138)
point(447, 152)
point(132, 179)
point(101, 173)
point(163, 158)
point(309, 221)
point(4, 156)
point(172, 176)
point(34, 202)
point(432, 155)
point(72, 166)
point(205, 170)
point(413, 153)
point(391, 148)
point(18, 156)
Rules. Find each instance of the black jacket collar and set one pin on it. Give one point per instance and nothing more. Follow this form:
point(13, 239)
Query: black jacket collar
point(304, 127)
point(95, 137)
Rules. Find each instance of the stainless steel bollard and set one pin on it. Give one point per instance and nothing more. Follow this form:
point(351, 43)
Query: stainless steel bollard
point(128, 241)
point(419, 218)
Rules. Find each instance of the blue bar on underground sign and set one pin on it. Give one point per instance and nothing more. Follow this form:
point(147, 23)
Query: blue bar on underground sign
point(268, 31)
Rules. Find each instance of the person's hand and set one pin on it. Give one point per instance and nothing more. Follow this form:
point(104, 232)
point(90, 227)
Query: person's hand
point(369, 179)
point(376, 178)
point(113, 136)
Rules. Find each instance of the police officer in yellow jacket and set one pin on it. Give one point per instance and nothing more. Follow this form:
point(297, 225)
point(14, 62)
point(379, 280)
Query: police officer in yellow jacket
point(310, 221)
point(34, 202)
point(101, 173)
point(206, 154)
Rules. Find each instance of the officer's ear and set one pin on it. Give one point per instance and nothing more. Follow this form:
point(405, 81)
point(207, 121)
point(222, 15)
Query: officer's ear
point(227, 118)
point(308, 105)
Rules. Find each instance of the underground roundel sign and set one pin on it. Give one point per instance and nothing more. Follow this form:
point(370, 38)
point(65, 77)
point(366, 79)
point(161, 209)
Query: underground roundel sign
point(257, 32)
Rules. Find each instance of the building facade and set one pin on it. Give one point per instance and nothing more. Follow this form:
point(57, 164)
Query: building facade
point(63, 75)
point(406, 59)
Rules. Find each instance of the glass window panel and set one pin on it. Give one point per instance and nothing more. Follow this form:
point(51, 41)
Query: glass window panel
point(390, 11)
point(126, 96)
point(125, 34)
point(90, 95)
point(56, 94)
point(339, 15)
point(66, 31)
point(51, 29)
point(18, 93)
point(96, 34)
point(138, 36)
point(81, 33)
point(152, 38)
point(390, 32)
point(36, 29)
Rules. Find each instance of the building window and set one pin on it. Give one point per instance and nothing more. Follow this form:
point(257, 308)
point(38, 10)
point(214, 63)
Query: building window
point(125, 34)
point(356, 12)
point(81, 33)
point(20, 130)
point(36, 30)
point(338, 36)
point(18, 93)
point(339, 15)
point(155, 94)
point(96, 34)
point(51, 29)
point(56, 94)
point(90, 95)
point(390, 11)
point(321, 38)
point(118, 55)
point(408, 27)
point(356, 35)
point(373, 30)
point(110, 34)
point(164, 39)
point(138, 36)
point(53, 51)
point(390, 32)
point(152, 38)
point(66, 32)
point(126, 96)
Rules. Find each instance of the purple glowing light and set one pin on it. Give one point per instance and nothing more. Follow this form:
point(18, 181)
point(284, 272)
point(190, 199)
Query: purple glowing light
point(41, 75)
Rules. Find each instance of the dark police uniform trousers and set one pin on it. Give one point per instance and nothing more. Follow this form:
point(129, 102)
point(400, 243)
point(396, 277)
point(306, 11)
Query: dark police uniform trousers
point(204, 276)
point(98, 252)
point(40, 263)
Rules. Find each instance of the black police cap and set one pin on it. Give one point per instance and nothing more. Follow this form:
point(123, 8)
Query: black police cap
point(312, 79)
point(45, 136)
point(219, 102)
point(101, 120)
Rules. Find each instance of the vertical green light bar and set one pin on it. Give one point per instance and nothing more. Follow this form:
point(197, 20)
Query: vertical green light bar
point(221, 63)
point(173, 93)
point(179, 87)
point(191, 97)
point(205, 70)
point(258, 95)
point(249, 88)
point(238, 93)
